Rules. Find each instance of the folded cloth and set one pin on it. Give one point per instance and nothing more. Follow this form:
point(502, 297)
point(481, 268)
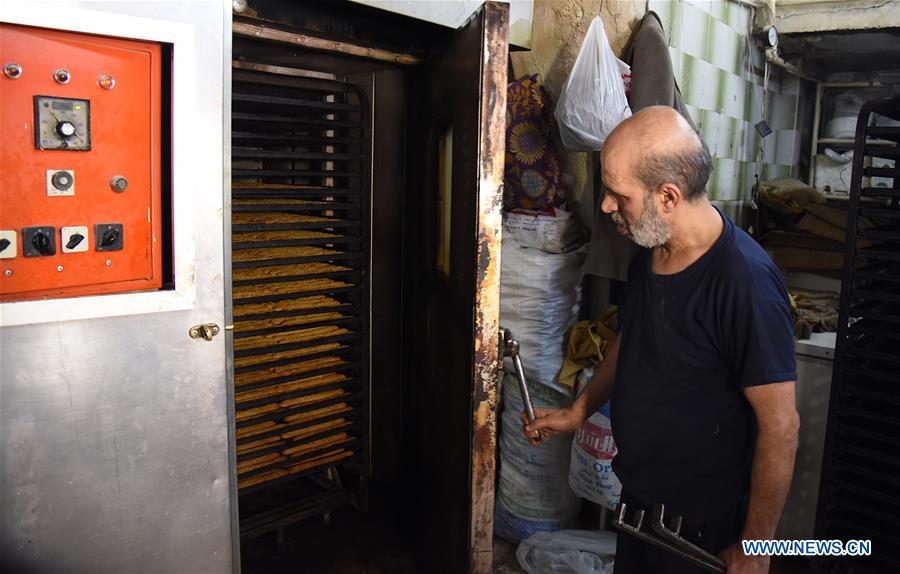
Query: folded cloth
point(587, 344)
point(814, 312)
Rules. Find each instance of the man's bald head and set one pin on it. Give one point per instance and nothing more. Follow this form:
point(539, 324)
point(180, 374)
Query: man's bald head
point(659, 146)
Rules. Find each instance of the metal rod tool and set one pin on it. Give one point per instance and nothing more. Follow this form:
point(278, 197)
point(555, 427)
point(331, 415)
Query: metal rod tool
point(509, 347)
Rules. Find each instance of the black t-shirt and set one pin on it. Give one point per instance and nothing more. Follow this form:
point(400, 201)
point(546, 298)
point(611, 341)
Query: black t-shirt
point(690, 343)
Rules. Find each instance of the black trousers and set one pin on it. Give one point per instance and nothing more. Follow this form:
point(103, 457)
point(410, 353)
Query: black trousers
point(634, 556)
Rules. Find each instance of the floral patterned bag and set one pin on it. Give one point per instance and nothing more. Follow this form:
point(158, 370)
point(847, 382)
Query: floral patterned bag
point(533, 176)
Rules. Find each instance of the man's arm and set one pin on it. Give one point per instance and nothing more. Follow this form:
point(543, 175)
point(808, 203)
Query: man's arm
point(597, 392)
point(773, 465)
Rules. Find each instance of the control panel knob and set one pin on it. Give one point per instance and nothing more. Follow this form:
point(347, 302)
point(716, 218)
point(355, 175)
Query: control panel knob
point(41, 243)
point(118, 183)
point(74, 240)
point(109, 237)
point(65, 129)
point(62, 180)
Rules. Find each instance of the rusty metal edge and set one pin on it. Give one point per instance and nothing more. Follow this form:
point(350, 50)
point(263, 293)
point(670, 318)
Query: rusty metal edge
point(263, 32)
point(492, 122)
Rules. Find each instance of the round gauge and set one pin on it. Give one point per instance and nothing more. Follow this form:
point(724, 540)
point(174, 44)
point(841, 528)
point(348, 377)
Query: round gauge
point(772, 36)
point(65, 129)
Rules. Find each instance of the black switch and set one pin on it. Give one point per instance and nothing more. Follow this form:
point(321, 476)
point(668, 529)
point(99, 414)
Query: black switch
point(38, 241)
point(109, 236)
point(4, 243)
point(42, 243)
point(74, 240)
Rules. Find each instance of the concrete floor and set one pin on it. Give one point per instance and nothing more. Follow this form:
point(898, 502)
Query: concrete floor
point(505, 561)
point(351, 543)
point(505, 558)
point(373, 543)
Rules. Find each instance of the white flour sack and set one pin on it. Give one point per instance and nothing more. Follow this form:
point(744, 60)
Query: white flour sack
point(590, 472)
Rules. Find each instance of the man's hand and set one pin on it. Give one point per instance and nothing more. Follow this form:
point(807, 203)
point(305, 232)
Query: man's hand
point(549, 422)
point(736, 562)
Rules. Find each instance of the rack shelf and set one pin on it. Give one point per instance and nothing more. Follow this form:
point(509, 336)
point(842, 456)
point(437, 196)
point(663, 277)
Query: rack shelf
point(862, 417)
point(850, 142)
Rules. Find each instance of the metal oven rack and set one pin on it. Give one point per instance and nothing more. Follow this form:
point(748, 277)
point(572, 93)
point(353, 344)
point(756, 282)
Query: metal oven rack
point(300, 209)
point(860, 490)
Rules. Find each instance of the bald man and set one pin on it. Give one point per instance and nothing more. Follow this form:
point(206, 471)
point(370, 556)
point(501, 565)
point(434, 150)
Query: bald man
point(701, 375)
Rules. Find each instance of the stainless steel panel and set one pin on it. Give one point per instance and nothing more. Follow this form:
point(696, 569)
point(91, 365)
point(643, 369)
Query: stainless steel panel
point(228, 39)
point(115, 443)
point(813, 389)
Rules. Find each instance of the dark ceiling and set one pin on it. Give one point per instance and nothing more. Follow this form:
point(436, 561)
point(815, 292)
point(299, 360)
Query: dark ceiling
point(833, 52)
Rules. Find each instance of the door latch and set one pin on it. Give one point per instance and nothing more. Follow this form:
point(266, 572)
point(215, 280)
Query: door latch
point(207, 331)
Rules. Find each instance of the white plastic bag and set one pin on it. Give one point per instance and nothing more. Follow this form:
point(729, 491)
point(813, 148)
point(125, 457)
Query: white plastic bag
point(593, 101)
point(568, 552)
point(590, 472)
point(554, 232)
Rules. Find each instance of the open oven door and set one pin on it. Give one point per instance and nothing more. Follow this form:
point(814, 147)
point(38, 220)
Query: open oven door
point(453, 273)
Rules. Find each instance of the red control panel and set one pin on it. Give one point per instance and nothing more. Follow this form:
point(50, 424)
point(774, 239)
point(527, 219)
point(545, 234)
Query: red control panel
point(80, 164)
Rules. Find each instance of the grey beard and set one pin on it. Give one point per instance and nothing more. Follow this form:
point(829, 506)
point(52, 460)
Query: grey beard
point(650, 231)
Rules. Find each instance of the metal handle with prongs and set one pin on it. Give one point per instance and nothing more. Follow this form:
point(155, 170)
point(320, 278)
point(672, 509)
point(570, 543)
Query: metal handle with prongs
point(676, 545)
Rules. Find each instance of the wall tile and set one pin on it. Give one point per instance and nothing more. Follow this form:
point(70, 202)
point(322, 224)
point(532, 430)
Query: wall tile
point(769, 147)
point(717, 9)
point(676, 17)
point(738, 140)
point(750, 172)
point(709, 129)
point(723, 176)
point(734, 92)
point(725, 136)
point(676, 56)
point(664, 10)
point(695, 28)
point(738, 18)
point(723, 43)
point(785, 147)
point(701, 88)
point(694, 112)
point(720, 77)
point(784, 112)
point(705, 5)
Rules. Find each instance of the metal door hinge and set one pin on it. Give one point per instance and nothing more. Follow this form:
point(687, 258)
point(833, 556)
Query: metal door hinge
point(207, 331)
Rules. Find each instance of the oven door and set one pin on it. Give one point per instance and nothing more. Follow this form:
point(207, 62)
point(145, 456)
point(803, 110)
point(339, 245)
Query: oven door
point(453, 273)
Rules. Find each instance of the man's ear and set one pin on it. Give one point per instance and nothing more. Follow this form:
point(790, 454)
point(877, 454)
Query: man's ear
point(669, 197)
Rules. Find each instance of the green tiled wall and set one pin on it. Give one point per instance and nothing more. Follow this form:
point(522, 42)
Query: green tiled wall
point(712, 62)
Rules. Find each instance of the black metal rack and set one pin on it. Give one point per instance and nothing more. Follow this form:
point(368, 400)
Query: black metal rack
point(300, 250)
point(859, 496)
